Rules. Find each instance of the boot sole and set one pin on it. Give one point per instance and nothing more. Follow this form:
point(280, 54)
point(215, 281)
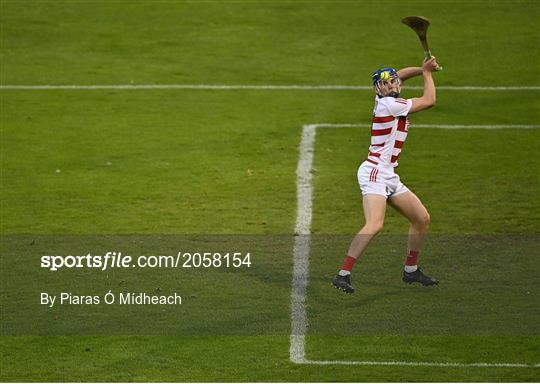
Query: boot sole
point(342, 289)
point(423, 284)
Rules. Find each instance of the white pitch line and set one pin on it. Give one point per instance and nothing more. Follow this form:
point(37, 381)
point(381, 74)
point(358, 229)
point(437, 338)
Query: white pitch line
point(304, 210)
point(421, 363)
point(13, 87)
point(304, 195)
point(438, 126)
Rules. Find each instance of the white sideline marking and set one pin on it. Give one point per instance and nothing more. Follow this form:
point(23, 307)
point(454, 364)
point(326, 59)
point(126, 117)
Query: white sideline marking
point(257, 87)
point(304, 195)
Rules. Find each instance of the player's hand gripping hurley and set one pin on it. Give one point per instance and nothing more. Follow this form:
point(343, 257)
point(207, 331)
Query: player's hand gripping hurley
point(420, 25)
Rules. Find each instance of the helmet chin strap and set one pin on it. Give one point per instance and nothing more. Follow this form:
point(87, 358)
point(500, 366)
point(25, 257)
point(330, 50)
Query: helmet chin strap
point(391, 94)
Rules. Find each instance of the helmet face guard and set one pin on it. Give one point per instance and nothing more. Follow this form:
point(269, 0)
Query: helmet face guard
point(383, 79)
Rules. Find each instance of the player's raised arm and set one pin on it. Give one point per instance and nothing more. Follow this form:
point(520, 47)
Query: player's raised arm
point(407, 73)
point(429, 97)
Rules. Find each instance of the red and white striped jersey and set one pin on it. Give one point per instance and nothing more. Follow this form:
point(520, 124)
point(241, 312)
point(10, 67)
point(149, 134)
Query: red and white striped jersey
point(389, 130)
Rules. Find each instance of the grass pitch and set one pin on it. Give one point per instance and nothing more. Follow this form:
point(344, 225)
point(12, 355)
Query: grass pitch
point(158, 162)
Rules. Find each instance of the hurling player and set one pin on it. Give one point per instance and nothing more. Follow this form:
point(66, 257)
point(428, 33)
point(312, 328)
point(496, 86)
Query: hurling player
point(379, 183)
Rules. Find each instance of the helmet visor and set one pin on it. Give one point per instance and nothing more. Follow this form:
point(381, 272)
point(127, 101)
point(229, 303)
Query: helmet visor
point(388, 87)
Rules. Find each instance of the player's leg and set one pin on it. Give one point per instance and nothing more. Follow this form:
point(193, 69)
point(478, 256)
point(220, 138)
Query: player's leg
point(374, 211)
point(410, 206)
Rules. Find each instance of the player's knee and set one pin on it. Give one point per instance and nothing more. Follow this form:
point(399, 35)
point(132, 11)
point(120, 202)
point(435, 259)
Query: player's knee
point(423, 221)
point(373, 227)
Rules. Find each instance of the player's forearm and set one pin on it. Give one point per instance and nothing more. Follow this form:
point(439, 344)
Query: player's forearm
point(430, 94)
point(407, 73)
point(429, 97)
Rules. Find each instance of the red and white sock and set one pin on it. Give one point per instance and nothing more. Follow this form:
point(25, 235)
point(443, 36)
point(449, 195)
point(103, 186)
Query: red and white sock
point(347, 266)
point(411, 261)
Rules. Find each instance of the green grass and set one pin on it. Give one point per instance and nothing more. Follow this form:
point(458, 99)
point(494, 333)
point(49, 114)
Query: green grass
point(80, 167)
point(194, 359)
point(261, 41)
